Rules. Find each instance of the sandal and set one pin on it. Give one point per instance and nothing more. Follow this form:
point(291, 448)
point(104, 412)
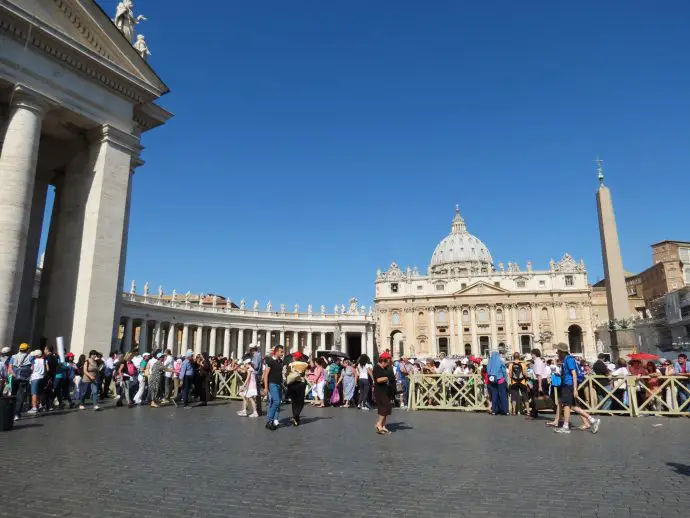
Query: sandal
point(584, 428)
point(551, 425)
point(380, 431)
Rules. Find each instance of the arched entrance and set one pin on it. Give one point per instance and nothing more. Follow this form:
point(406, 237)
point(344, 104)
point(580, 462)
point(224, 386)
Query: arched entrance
point(468, 349)
point(575, 339)
point(397, 343)
point(443, 345)
point(525, 344)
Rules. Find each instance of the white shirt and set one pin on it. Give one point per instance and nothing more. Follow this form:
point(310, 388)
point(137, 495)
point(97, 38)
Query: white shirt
point(39, 369)
point(364, 371)
point(541, 369)
point(168, 364)
point(446, 366)
point(137, 361)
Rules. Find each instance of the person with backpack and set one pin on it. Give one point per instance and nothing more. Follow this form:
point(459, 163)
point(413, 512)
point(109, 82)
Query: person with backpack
point(20, 368)
point(518, 384)
point(496, 378)
point(571, 376)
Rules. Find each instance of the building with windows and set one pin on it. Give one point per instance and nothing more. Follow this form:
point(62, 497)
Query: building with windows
point(467, 304)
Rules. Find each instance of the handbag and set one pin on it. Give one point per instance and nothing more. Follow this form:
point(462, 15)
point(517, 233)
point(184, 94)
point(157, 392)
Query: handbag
point(335, 396)
point(543, 402)
point(293, 377)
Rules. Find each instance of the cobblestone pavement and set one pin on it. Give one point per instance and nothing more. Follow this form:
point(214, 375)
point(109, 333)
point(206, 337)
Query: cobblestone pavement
point(172, 462)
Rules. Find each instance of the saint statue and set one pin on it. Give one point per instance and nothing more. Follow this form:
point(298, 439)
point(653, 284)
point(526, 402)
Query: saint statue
point(552, 265)
point(296, 308)
point(174, 295)
point(146, 288)
point(133, 288)
point(214, 300)
point(648, 313)
point(501, 267)
point(243, 304)
point(335, 309)
point(160, 292)
point(323, 309)
point(269, 306)
point(282, 308)
point(255, 306)
point(309, 309)
point(529, 266)
point(142, 48)
point(188, 295)
point(342, 309)
point(363, 310)
point(125, 20)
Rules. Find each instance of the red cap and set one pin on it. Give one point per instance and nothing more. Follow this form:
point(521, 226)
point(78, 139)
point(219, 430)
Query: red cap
point(385, 356)
point(297, 355)
point(70, 355)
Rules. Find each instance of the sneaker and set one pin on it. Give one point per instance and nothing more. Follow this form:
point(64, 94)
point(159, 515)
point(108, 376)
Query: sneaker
point(96, 408)
point(154, 404)
point(562, 430)
point(365, 408)
point(254, 415)
point(595, 425)
point(276, 423)
point(82, 407)
point(242, 413)
point(16, 417)
point(32, 412)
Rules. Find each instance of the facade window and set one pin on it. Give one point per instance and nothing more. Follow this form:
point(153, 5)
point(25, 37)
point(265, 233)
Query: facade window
point(484, 345)
point(442, 317)
point(467, 330)
point(523, 315)
point(468, 349)
point(394, 287)
point(572, 313)
point(684, 254)
point(439, 287)
point(421, 314)
point(395, 319)
point(419, 287)
point(542, 284)
point(500, 329)
point(499, 315)
point(497, 284)
point(687, 275)
point(525, 328)
point(569, 280)
point(483, 315)
point(520, 284)
point(465, 316)
point(463, 285)
point(544, 314)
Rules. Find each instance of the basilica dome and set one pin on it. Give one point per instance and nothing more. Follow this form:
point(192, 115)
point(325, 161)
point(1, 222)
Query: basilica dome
point(461, 248)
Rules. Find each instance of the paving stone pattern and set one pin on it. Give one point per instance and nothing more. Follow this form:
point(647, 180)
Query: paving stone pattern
point(170, 462)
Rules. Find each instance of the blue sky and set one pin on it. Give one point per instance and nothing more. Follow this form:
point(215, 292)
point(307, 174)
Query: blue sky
point(316, 141)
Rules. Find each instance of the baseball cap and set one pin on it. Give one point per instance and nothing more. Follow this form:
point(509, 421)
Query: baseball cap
point(24, 347)
point(385, 356)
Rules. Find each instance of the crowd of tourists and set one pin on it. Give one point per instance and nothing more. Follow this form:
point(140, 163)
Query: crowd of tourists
point(42, 381)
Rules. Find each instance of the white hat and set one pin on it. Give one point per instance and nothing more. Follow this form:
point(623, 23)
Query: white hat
point(5, 350)
point(36, 353)
point(247, 361)
point(463, 361)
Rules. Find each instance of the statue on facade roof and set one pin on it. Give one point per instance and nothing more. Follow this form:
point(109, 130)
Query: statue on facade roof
point(415, 271)
point(342, 309)
point(142, 47)
point(174, 295)
point(133, 288)
point(296, 308)
point(501, 267)
point(353, 306)
point(552, 265)
point(187, 296)
point(323, 309)
point(146, 288)
point(269, 306)
point(160, 291)
point(335, 309)
point(214, 300)
point(282, 308)
point(125, 19)
point(309, 309)
point(363, 310)
point(243, 304)
point(255, 306)
point(529, 266)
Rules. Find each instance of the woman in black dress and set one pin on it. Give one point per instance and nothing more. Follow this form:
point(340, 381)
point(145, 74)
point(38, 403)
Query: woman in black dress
point(383, 402)
point(202, 378)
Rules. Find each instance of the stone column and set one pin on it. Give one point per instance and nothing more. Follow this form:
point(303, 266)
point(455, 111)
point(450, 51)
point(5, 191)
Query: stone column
point(185, 339)
point(516, 328)
point(157, 336)
point(198, 339)
point(295, 341)
point(102, 200)
point(255, 337)
point(282, 338)
point(370, 344)
point(226, 342)
point(453, 347)
point(322, 344)
point(307, 350)
point(17, 175)
point(240, 343)
point(212, 342)
point(476, 350)
point(432, 333)
point(494, 331)
point(171, 338)
point(144, 336)
point(343, 341)
point(461, 330)
point(123, 251)
point(268, 341)
point(129, 331)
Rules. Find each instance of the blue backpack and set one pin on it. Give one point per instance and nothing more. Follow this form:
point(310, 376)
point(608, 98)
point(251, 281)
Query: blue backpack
point(573, 365)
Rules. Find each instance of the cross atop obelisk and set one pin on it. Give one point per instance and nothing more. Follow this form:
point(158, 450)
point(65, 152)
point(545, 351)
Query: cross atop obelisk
point(616, 291)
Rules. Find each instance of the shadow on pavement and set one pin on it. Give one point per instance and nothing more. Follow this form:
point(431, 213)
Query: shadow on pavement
point(398, 427)
point(20, 425)
point(307, 420)
point(680, 469)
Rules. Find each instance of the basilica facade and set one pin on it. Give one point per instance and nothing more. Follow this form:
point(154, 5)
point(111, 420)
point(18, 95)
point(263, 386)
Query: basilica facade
point(466, 304)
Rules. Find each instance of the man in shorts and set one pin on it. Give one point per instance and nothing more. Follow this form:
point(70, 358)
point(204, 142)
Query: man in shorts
point(567, 394)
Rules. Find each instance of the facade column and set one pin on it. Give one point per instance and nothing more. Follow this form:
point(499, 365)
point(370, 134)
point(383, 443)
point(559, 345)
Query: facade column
point(343, 341)
point(226, 342)
point(535, 325)
point(198, 339)
point(370, 344)
point(212, 342)
point(17, 175)
point(453, 345)
point(255, 337)
point(143, 336)
point(240, 343)
point(461, 330)
point(282, 338)
point(432, 333)
point(268, 344)
point(494, 331)
point(476, 350)
point(157, 336)
point(129, 331)
point(295, 342)
point(322, 343)
point(171, 338)
point(307, 351)
point(516, 328)
point(185, 339)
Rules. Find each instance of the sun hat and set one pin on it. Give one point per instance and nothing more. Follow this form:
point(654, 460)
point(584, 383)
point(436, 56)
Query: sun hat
point(5, 350)
point(247, 361)
point(24, 347)
point(159, 355)
point(146, 354)
point(189, 353)
point(563, 347)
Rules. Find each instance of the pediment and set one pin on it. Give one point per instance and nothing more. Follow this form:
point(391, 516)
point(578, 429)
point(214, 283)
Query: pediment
point(85, 28)
point(481, 288)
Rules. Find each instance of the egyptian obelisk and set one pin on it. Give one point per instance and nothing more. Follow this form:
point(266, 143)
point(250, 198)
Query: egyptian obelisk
point(622, 340)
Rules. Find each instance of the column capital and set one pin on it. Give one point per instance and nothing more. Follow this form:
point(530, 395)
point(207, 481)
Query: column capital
point(24, 97)
point(121, 139)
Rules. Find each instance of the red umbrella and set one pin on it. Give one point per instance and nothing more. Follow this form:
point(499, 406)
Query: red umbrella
point(643, 356)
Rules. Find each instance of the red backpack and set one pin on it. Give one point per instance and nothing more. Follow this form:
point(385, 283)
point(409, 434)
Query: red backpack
point(131, 369)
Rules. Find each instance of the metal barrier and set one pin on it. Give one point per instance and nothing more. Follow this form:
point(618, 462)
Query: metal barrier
point(671, 396)
point(447, 392)
point(604, 395)
point(228, 385)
